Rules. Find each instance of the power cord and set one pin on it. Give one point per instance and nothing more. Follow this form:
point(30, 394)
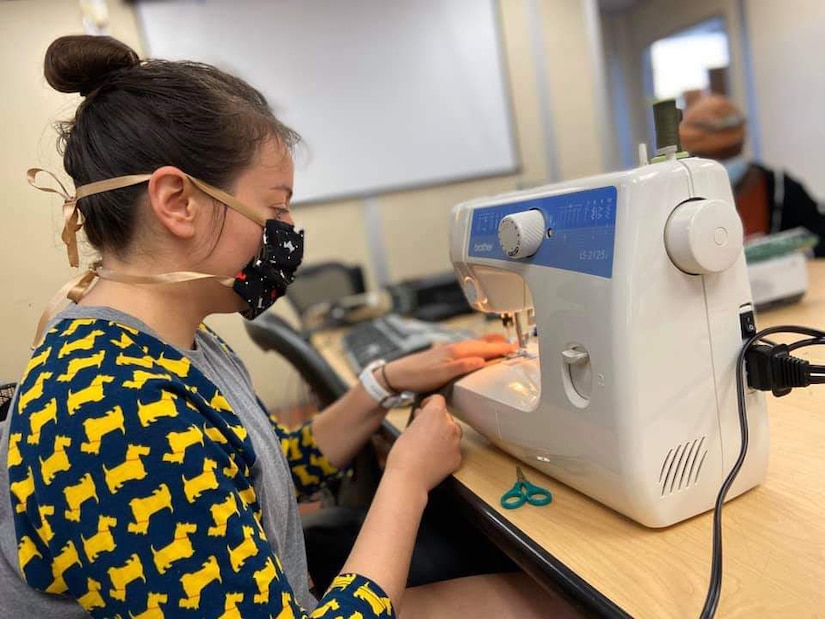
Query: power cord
point(769, 367)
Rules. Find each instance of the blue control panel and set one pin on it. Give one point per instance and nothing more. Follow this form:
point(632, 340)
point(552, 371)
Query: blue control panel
point(580, 230)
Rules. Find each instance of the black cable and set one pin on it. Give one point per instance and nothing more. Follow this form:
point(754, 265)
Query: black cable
point(814, 341)
point(715, 585)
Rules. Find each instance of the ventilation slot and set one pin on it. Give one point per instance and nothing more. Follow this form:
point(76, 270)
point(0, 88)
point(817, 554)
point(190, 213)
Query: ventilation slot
point(681, 466)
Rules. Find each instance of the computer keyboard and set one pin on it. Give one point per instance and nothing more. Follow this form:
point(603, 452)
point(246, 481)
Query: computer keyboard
point(392, 336)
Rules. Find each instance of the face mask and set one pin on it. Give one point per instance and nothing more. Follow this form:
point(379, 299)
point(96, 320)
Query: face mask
point(260, 283)
point(736, 167)
point(266, 277)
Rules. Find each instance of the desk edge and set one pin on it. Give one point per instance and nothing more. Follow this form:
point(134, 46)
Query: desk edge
point(540, 565)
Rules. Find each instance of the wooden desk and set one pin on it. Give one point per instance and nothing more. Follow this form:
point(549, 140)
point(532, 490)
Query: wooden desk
point(774, 535)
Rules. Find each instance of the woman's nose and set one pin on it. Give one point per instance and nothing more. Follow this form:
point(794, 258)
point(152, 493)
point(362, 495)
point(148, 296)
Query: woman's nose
point(285, 216)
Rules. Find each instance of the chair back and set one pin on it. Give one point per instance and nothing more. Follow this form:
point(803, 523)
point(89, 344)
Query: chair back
point(324, 282)
point(6, 396)
point(271, 332)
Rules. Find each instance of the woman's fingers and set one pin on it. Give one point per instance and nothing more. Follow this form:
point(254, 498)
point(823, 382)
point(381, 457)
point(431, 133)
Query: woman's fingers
point(429, 370)
point(458, 427)
point(483, 348)
point(434, 400)
point(465, 365)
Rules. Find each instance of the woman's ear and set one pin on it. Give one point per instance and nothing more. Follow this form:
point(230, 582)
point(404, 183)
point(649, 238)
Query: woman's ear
point(174, 201)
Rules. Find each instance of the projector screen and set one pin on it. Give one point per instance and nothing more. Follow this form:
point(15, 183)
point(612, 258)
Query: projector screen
point(387, 95)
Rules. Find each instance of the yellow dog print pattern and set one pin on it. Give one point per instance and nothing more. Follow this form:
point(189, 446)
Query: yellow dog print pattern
point(130, 486)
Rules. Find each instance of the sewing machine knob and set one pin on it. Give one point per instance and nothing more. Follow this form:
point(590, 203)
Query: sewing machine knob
point(520, 234)
point(704, 236)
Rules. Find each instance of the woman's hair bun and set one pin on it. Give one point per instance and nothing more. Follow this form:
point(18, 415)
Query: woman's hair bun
point(81, 63)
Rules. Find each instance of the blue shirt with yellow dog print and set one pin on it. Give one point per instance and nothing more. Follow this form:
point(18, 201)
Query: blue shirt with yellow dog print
point(145, 482)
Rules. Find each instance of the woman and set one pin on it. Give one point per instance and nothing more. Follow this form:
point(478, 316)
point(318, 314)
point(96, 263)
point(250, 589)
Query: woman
point(144, 477)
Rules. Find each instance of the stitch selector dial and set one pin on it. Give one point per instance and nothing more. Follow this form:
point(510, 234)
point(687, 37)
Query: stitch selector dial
point(520, 234)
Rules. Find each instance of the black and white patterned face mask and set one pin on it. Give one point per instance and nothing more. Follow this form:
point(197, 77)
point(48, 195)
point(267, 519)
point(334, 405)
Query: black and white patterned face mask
point(265, 279)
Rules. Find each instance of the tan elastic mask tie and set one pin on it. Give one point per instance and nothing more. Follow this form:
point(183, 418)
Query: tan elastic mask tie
point(77, 288)
point(74, 290)
point(71, 215)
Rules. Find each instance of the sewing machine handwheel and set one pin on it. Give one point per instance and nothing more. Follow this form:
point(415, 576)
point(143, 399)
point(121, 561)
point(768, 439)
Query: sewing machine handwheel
point(704, 236)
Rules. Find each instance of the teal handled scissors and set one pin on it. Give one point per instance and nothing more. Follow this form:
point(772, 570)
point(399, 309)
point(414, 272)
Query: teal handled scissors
point(524, 492)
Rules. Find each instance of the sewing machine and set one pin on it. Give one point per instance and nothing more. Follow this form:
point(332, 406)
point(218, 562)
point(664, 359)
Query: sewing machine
point(630, 298)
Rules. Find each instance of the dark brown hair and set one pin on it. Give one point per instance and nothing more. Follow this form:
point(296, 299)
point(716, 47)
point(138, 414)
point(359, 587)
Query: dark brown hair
point(138, 116)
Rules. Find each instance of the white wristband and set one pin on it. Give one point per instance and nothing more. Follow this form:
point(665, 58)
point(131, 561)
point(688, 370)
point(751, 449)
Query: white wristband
point(376, 391)
point(371, 384)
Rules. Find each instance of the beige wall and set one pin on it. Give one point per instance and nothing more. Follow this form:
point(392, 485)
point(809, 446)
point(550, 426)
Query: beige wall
point(629, 33)
point(413, 223)
point(575, 77)
point(788, 42)
point(785, 39)
point(32, 256)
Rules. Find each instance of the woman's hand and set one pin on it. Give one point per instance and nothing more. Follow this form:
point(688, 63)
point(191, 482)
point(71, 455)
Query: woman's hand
point(428, 450)
point(432, 368)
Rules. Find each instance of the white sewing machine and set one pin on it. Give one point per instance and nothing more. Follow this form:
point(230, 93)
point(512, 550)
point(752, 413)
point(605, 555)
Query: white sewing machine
point(637, 285)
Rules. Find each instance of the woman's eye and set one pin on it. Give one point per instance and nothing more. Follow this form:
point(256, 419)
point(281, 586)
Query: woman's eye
point(280, 211)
